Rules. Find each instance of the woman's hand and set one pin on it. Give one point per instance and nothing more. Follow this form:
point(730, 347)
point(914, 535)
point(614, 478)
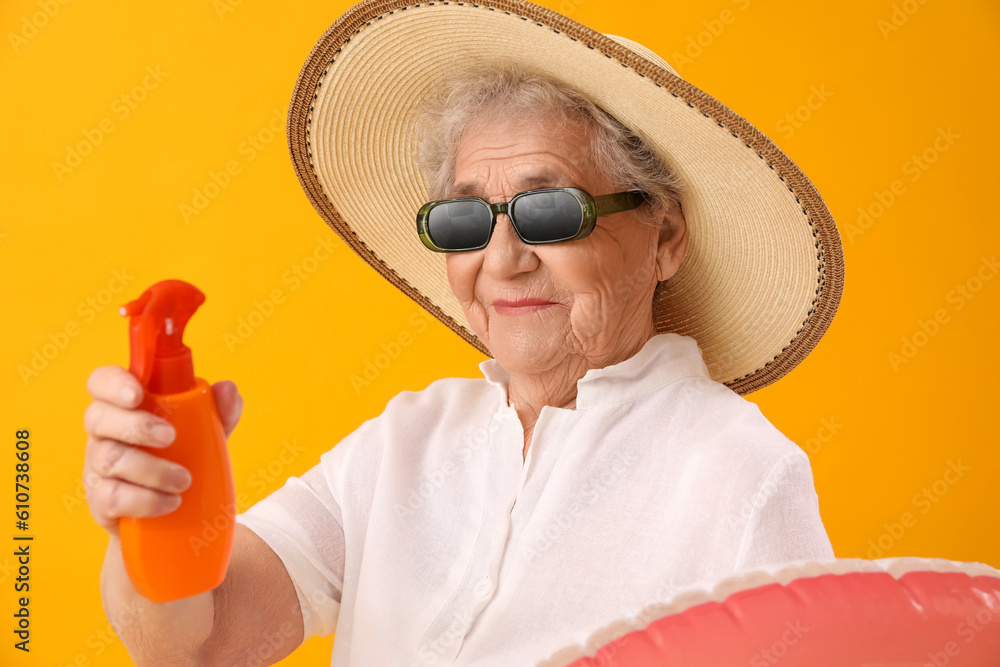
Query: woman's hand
point(121, 479)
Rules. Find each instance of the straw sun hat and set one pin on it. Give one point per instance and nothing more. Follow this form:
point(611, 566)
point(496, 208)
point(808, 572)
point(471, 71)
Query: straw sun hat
point(763, 272)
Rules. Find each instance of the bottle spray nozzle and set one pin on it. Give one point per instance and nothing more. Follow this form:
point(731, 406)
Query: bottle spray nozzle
point(159, 358)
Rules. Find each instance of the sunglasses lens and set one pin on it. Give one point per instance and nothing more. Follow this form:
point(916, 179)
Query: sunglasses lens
point(459, 225)
point(544, 217)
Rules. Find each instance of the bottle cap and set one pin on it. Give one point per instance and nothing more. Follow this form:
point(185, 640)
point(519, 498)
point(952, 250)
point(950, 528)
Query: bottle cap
point(159, 358)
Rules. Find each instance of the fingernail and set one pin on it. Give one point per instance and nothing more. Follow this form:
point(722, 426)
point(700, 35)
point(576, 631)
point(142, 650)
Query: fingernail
point(128, 394)
point(182, 478)
point(164, 432)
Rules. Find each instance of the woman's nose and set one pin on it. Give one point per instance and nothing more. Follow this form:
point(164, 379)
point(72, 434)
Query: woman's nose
point(506, 253)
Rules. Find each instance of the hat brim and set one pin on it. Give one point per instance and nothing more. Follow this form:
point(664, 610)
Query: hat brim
point(763, 272)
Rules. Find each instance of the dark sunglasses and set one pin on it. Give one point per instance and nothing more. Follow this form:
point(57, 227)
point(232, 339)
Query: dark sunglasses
point(550, 215)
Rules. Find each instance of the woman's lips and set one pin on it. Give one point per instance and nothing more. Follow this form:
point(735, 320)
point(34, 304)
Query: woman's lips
point(520, 307)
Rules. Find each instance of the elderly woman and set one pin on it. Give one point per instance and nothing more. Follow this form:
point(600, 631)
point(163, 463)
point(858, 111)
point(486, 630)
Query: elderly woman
point(422, 538)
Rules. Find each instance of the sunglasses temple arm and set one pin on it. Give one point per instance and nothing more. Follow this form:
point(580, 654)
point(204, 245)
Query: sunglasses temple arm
point(618, 202)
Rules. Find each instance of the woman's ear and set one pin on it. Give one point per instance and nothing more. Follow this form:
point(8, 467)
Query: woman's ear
point(672, 244)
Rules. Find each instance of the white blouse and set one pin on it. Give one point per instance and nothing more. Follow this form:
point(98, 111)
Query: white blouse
point(423, 537)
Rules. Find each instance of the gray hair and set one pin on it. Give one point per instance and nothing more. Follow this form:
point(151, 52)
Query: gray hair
point(487, 94)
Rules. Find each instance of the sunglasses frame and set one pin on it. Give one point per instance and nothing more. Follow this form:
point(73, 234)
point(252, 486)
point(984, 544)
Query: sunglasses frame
point(593, 208)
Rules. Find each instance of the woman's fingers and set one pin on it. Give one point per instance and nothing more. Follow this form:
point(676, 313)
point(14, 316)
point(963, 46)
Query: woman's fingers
point(230, 404)
point(120, 478)
point(112, 459)
point(137, 427)
point(110, 499)
point(114, 384)
point(113, 413)
point(123, 480)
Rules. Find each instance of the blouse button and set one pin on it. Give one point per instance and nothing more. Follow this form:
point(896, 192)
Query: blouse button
point(483, 587)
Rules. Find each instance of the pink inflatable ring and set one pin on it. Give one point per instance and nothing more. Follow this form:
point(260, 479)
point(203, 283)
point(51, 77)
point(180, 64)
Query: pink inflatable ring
point(891, 612)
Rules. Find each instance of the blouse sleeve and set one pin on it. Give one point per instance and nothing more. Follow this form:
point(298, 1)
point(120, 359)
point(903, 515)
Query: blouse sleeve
point(303, 523)
point(785, 522)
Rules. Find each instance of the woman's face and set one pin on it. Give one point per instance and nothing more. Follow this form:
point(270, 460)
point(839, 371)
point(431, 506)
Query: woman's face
point(544, 307)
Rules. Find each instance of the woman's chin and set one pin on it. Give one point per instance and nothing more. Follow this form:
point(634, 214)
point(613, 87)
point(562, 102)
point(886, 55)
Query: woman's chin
point(526, 354)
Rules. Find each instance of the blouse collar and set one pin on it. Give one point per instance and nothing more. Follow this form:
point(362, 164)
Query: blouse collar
point(663, 359)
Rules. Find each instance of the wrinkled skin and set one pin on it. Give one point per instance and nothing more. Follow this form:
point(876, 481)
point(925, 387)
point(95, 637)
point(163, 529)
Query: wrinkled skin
point(600, 288)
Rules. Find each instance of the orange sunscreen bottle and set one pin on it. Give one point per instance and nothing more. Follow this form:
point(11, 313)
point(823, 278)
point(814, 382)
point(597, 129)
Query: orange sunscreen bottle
point(185, 552)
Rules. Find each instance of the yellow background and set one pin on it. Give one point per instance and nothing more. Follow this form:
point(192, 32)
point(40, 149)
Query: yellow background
point(877, 432)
